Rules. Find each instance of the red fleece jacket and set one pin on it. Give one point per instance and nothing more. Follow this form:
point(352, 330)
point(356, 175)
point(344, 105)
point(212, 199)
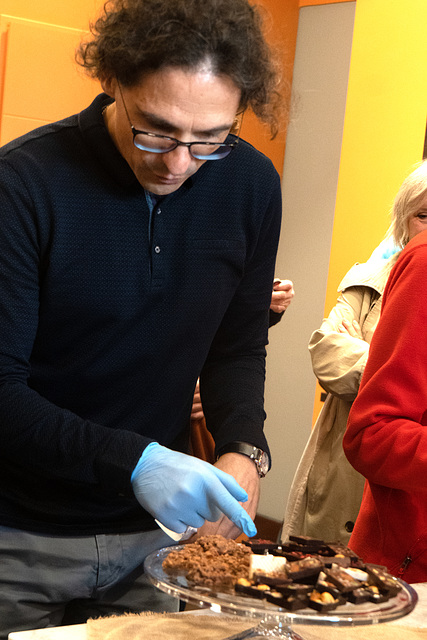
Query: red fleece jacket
point(386, 438)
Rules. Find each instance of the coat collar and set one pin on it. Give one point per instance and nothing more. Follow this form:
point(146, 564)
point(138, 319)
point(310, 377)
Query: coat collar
point(373, 273)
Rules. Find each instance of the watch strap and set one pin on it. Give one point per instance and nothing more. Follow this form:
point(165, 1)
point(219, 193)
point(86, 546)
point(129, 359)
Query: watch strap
point(259, 457)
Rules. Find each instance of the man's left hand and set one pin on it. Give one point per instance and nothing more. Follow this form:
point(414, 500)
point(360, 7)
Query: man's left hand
point(197, 408)
point(243, 469)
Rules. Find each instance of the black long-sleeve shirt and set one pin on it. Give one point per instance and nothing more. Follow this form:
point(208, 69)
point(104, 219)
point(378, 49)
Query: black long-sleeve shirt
point(106, 323)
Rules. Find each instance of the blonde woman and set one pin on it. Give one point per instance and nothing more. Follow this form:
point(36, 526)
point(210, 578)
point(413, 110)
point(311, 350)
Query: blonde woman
point(326, 492)
point(386, 437)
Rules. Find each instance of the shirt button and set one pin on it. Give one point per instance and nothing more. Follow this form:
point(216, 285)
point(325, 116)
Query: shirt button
point(157, 249)
point(159, 211)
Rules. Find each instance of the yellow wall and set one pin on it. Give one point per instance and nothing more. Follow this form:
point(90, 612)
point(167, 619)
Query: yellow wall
point(384, 127)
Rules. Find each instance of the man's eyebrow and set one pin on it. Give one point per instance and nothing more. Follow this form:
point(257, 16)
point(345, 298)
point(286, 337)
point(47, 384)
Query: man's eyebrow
point(167, 127)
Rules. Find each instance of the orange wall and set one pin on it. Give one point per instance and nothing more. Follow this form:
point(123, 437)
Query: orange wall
point(39, 81)
point(282, 26)
point(281, 20)
point(74, 13)
point(312, 3)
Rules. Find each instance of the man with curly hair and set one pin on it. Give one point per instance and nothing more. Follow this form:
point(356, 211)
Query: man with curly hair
point(137, 248)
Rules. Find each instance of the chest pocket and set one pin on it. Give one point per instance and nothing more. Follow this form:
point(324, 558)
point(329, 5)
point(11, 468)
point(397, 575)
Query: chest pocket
point(219, 256)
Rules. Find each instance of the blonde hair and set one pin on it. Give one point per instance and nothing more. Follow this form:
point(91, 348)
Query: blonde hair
point(406, 204)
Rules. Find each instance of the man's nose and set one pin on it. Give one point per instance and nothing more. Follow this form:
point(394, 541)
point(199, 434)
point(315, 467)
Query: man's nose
point(178, 160)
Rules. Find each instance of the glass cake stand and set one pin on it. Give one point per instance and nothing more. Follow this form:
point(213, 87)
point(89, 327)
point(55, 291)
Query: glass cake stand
point(271, 620)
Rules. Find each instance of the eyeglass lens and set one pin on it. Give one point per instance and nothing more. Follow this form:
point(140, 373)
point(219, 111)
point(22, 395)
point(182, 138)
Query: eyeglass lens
point(200, 151)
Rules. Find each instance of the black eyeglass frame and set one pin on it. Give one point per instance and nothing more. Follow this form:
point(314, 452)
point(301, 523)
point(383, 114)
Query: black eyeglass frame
point(226, 146)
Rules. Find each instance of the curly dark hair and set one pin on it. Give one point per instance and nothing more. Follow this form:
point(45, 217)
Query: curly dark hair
point(134, 37)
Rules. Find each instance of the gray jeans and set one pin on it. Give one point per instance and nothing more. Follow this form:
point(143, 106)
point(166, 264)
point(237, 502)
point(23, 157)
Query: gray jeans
point(48, 581)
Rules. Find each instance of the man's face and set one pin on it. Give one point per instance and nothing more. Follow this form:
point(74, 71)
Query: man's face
point(187, 105)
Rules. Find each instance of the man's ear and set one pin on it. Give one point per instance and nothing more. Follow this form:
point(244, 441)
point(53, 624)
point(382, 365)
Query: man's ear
point(109, 86)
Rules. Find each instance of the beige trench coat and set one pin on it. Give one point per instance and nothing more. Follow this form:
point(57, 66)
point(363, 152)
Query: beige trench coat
point(326, 491)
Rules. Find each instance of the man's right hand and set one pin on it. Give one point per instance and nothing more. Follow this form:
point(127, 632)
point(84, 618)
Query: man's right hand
point(281, 298)
point(180, 490)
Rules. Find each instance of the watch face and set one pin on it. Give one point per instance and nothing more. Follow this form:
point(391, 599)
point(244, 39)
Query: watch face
point(258, 456)
point(263, 463)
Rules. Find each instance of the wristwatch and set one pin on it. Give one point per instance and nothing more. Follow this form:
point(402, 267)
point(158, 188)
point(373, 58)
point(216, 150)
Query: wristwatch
point(260, 458)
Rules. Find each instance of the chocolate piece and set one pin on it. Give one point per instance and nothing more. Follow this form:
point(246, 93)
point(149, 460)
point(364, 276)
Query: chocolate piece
point(305, 570)
point(290, 603)
point(292, 556)
point(339, 549)
point(357, 574)
point(307, 540)
point(277, 579)
point(358, 596)
point(384, 580)
point(294, 546)
point(302, 548)
point(376, 595)
point(259, 545)
point(341, 579)
point(323, 585)
point(375, 566)
point(341, 561)
point(306, 544)
point(322, 601)
point(249, 588)
point(296, 589)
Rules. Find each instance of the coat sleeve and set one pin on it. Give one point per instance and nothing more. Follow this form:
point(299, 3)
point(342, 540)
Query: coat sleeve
point(38, 435)
point(338, 359)
point(386, 437)
point(232, 379)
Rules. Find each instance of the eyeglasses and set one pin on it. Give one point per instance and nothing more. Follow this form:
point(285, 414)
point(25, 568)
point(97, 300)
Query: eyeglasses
point(157, 143)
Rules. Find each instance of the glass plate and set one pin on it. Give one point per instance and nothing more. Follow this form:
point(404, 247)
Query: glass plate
point(231, 603)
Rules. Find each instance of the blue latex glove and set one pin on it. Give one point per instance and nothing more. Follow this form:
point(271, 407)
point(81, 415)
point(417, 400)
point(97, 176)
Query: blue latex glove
point(180, 490)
